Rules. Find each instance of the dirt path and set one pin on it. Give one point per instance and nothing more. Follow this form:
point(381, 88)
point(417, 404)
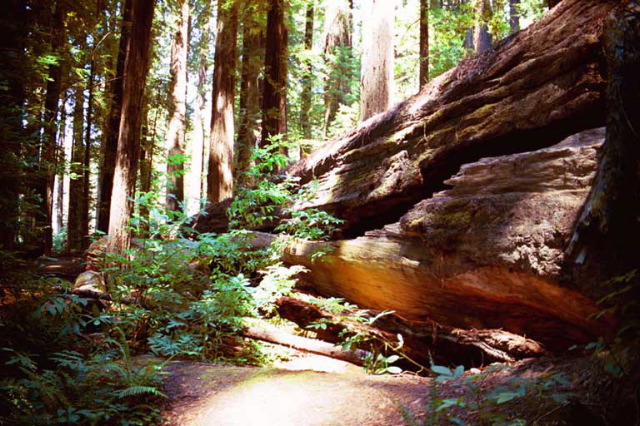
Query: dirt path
point(293, 394)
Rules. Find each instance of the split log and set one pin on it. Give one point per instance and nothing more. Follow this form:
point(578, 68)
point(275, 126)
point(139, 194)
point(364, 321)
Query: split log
point(532, 90)
point(263, 331)
point(420, 342)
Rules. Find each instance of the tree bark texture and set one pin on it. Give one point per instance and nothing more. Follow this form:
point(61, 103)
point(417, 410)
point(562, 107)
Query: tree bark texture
point(376, 75)
point(481, 36)
point(531, 91)
point(113, 123)
point(307, 75)
point(253, 50)
point(177, 109)
point(220, 174)
point(274, 96)
point(608, 231)
point(338, 57)
point(424, 42)
point(136, 68)
point(77, 201)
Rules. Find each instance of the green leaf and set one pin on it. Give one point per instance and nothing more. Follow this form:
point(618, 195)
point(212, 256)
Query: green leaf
point(441, 370)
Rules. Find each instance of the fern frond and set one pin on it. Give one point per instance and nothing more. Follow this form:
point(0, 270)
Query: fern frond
point(139, 390)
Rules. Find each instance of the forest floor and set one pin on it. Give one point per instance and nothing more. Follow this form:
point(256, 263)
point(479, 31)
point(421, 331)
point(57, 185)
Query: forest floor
point(315, 390)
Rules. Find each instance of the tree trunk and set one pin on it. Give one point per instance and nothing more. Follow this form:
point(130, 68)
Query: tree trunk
point(607, 234)
point(481, 36)
point(199, 136)
point(77, 202)
point(178, 110)
point(48, 161)
point(514, 16)
point(424, 42)
point(86, 170)
point(338, 57)
point(135, 74)
point(274, 97)
point(307, 76)
point(113, 124)
point(220, 174)
point(146, 168)
point(376, 83)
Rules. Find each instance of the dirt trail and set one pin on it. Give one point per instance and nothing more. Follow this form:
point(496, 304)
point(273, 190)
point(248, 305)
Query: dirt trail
point(293, 394)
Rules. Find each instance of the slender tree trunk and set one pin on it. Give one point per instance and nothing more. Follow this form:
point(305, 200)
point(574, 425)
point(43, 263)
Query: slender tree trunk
point(178, 110)
point(481, 36)
point(199, 135)
point(77, 202)
point(307, 76)
point(424, 42)
point(113, 123)
point(514, 16)
point(252, 61)
point(337, 52)
point(51, 104)
point(274, 96)
point(220, 175)
point(146, 167)
point(86, 171)
point(58, 211)
point(376, 83)
point(136, 68)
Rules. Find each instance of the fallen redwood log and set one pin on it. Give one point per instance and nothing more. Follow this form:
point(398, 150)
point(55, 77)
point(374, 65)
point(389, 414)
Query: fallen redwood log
point(420, 342)
point(261, 330)
point(533, 89)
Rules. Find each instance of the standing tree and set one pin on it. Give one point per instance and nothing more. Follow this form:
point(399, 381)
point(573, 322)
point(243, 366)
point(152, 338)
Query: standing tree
point(377, 57)
point(136, 67)
point(178, 109)
point(220, 174)
point(481, 36)
point(424, 42)
point(274, 97)
point(253, 44)
point(77, 202)
point(113, 123)
point(338, 57)
point(514, 16)
point(307, 77)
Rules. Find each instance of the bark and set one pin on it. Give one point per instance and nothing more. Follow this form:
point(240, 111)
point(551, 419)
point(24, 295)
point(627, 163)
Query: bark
point(113, 123)
point(376, 82)
point(253, 46)
point(551, 86)
point(481, 36)
point(135, 74)
point(86, 159)
point(424, 42)
point(220, 173)
point(274, 96)
point(48, 162)
point(199, 139)
point(514, 16)
point(268, 333)
point(177, 109)
point(307, 76)
point(146, 167)
point(338, 58)
point(608, 231)
point(77, 202)
point(420, 340)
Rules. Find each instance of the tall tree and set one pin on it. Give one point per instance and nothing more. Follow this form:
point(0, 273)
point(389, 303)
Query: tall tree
point(307, 77)
point(220, 173)
point(253, 45)
point(424, 42)
point(51, 103)
point(136, 67)
point(77, 201)
point(112, 129)
point(338, 57)
point(481, 36)
point(178, 108)
point(274, 96)
point(376, 82)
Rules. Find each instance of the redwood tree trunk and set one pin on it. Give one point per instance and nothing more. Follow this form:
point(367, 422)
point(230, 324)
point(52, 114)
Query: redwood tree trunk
point(252, 61)
point(178, 109)
point(113, 124)
point(220, 174)
point(376, 83)
point(136, 68)
point(307, 77)
point(424, 42)
point(274, 98)
point(77, 202)
point(337, 53)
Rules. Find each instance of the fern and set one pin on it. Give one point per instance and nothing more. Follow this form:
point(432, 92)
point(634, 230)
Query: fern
point(139, 390)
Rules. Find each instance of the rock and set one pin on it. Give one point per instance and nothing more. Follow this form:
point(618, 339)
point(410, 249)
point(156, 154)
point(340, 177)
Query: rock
point(487, 253)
